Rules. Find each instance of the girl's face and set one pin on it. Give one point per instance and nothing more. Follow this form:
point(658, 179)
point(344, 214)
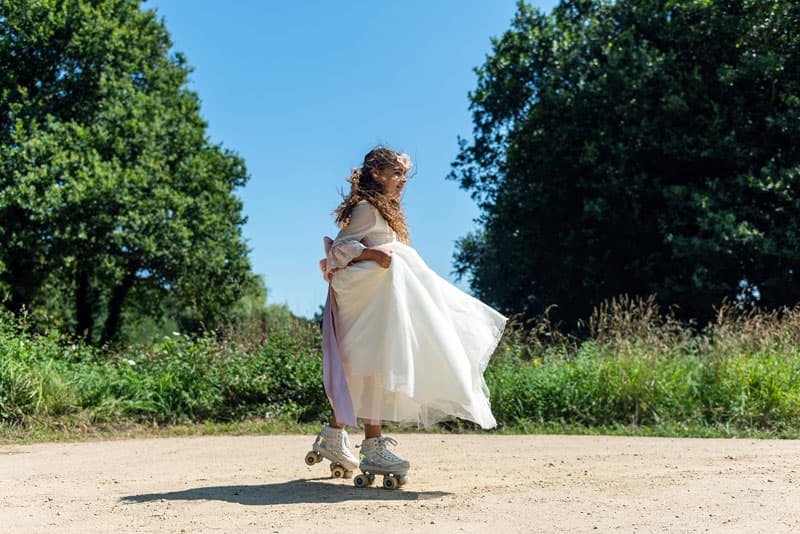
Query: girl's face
point(392, 179)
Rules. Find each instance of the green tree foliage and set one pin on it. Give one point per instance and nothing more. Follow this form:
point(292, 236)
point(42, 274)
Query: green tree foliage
point(109, 186)
point(640, 147)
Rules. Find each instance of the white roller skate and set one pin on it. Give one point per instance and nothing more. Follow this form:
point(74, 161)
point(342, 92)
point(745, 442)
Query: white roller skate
point(334, 445)
point(376, 459)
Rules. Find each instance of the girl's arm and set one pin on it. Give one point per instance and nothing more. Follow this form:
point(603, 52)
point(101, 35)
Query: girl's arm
point(382, 256)
point(347, 247)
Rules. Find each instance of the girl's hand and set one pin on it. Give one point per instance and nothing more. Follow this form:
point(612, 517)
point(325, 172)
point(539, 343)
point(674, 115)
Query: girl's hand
point(381, 256)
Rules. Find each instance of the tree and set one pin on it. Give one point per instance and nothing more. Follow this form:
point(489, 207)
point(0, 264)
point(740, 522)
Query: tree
point(108, 182)
point(640, 147)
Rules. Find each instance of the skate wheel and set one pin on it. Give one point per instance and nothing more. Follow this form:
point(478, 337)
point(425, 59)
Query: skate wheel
point(361, 481)
point(390, 482)
point(401, 481)
point(312, 458)
point(371, 479)
point(338, 471)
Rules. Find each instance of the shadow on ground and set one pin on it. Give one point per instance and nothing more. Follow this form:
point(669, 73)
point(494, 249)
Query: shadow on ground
point(292, 492)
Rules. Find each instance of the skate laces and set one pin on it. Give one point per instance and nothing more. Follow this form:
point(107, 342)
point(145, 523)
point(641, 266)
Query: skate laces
point(382, 440)
point(338, 437)
point(380, 447)
point(343, 440)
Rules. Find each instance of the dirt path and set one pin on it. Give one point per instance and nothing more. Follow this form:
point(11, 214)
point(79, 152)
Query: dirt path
point(474, 483)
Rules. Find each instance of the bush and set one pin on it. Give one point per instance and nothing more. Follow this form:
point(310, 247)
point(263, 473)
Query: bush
point(179, 379)
point(641, 367)
point(637, 367)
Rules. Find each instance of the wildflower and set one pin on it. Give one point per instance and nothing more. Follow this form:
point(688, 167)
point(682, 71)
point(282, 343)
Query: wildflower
point(537, 361)
point(130, 362)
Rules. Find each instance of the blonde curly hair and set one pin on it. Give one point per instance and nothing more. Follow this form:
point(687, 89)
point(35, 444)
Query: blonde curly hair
point(363, 186)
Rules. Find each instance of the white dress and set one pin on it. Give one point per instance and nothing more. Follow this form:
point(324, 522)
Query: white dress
point(413, 346)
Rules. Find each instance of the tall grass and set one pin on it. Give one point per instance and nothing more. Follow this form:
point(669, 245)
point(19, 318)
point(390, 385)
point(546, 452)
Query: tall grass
point(175, 380)
point(640, 366)
point(637, 366)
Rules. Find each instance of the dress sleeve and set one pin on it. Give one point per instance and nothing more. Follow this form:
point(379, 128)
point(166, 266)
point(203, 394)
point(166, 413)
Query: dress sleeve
point(347, 244)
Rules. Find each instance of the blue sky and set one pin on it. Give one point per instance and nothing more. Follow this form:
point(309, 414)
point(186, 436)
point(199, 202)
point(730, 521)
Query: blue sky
point(302, 90)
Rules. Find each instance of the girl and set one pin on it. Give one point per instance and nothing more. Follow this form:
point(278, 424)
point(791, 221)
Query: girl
point(399, 342)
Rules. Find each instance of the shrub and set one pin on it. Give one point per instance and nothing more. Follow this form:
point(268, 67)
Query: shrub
point(638, 367)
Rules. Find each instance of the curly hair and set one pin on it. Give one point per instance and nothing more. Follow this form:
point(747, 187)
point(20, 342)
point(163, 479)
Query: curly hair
point(363, 186)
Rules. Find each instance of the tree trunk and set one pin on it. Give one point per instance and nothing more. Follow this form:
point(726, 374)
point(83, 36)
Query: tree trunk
point(118, 294)
point(83, 304)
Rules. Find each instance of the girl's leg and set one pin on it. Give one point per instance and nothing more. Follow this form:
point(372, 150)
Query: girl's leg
point(372, 430)
point(335, 424)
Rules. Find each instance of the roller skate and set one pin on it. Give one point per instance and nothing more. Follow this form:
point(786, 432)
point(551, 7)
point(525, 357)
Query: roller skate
point(334, 445)
point(376, 459)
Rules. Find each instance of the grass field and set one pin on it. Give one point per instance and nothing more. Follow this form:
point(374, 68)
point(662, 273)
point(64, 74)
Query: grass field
point(638, 372)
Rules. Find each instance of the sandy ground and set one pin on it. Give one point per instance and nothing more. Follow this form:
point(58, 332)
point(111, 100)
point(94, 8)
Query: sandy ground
point(460, 483)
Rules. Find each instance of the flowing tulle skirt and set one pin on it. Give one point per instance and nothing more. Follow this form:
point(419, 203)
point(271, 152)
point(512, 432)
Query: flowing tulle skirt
point(413, 346)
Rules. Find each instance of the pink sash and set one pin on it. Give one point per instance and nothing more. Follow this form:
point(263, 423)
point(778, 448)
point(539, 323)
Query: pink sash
point(333, 376)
